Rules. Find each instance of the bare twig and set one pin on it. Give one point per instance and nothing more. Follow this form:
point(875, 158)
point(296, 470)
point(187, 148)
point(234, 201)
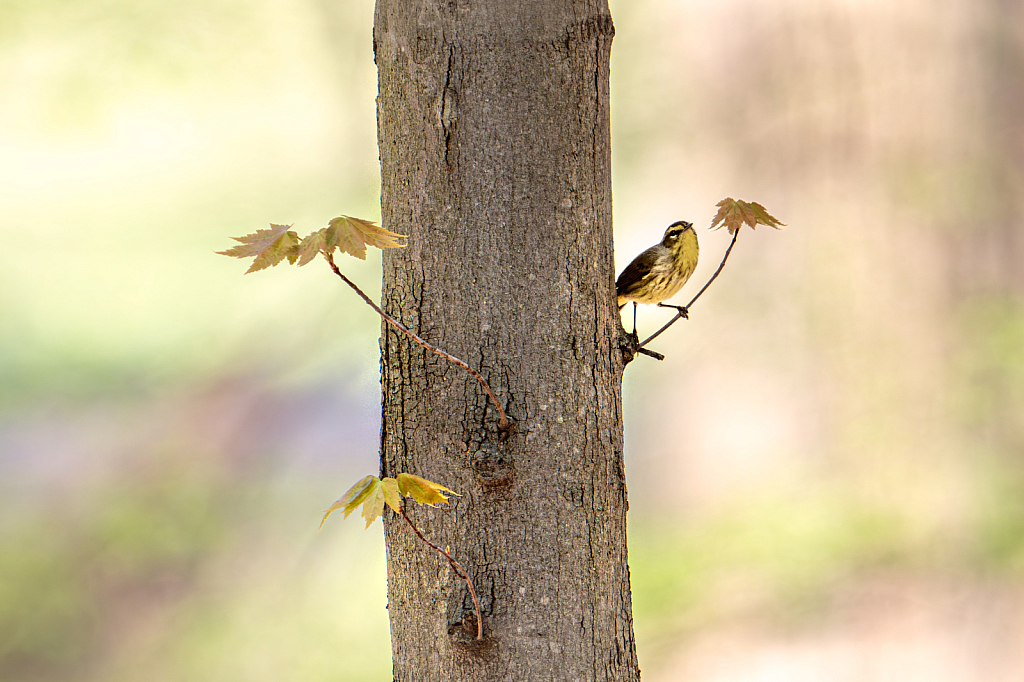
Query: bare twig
point(679, 313)
point(459, 571)
point(503, 422)
point(630, 346)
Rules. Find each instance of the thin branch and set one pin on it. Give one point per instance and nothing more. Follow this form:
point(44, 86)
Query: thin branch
point(720, 266)
point(459, 571)
point(630, 346)
point(503, 422)
point(679, 313)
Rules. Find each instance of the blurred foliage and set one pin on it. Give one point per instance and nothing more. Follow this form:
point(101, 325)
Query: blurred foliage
point(1000, 538)
point(992, 366)
point(176, 575)
point(781, 556)
point(189, 124)
point(69, 572)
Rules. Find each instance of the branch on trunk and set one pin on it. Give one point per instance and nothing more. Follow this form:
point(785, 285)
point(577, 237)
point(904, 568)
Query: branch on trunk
point(459, 571)
point(503, 421)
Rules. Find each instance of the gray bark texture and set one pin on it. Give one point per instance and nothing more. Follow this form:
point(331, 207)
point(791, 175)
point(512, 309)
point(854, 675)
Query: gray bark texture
point(493, 127)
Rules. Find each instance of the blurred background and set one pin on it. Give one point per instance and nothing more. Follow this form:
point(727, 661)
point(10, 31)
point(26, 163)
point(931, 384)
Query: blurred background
point(826, 473)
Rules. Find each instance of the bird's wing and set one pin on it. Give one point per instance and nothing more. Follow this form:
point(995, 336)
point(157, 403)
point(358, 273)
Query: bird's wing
point(634, 273)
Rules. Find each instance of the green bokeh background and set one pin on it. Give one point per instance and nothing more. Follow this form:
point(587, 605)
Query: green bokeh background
point(825, 473)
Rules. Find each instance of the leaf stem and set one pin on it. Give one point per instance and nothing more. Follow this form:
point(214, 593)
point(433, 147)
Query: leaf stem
point(459, 571)
point(503, 421)
point(679, 313)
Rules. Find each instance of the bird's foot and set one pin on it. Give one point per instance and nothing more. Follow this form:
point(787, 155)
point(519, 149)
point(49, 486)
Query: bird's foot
point(682, 309)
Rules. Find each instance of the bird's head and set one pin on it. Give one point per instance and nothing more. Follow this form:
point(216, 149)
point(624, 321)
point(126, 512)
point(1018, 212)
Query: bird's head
point(675, 231)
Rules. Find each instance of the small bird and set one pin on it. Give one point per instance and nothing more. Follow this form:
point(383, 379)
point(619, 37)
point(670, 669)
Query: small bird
point(661, 271)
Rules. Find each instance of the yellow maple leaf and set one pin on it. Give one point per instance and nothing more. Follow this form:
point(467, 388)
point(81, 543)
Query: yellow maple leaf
point(355, 496)
point(309, 247)
point(352, 235)
point(269, 247)
point(392, 496)
point(373, 505)
point(373, 493)
point(423, 491)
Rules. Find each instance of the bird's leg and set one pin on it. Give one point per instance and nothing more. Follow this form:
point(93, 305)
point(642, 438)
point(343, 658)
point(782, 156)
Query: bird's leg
point(683, 312)
point(634, 318)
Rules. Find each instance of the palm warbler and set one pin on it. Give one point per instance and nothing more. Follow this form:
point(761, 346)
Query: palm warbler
point(661, 271)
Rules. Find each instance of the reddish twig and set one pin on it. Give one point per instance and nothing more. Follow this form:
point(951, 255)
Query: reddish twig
point(503, 422)
point(459, 571)
point(679, 313)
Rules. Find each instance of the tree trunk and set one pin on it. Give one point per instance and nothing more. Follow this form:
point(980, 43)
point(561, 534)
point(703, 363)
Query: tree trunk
point(494, 140)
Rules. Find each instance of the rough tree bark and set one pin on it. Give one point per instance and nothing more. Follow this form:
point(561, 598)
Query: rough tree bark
point(493, 128)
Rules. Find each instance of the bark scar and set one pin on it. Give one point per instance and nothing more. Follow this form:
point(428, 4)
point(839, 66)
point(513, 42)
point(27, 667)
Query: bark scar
point(448, 99)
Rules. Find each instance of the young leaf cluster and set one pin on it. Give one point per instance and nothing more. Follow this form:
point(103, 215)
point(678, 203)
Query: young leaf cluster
point(345, 233)
point(733, 213)
point(373, 493)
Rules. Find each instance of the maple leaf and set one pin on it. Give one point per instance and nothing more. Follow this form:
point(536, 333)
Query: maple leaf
point(354, 497)
point(309, 247)
point(373, 505)
point(764, 217)
point(352, 235)
point(269, 247)
point(734, 213)
point(423, 491)
point(373, 493)
point(392, 497)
